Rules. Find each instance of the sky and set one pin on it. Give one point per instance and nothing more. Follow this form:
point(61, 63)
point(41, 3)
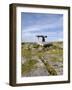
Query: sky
point(33, 24)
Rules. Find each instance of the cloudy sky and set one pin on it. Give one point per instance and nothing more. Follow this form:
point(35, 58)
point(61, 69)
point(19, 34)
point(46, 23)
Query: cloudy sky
point(33, 24)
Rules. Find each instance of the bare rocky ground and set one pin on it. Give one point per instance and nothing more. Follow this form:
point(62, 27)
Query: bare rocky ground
point(42, 60)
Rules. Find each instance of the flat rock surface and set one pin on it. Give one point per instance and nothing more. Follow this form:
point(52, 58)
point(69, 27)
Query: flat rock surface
point(50, 55)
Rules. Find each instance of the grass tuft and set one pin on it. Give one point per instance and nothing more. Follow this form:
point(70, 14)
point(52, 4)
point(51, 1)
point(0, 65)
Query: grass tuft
point(28, 66)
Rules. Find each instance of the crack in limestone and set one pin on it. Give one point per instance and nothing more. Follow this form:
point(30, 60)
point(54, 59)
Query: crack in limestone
point(49, 68)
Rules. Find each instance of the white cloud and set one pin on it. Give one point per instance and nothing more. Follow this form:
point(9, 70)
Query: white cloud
point(39, 27)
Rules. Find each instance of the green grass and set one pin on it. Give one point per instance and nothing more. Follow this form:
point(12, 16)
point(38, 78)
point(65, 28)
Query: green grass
point(28, 66)
point(26, 53)
point(56, 59)
point(40, 54)
point(49, 68)
point(35, 46)
point(55, 51)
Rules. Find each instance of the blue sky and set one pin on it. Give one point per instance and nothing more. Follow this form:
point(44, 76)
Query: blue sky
point(33, 24)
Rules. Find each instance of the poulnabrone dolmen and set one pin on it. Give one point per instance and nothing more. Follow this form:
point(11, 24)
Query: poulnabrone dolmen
point(41, 39)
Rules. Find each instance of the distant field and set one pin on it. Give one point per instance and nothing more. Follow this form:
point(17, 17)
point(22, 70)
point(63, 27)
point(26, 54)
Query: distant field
point(41, 60)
